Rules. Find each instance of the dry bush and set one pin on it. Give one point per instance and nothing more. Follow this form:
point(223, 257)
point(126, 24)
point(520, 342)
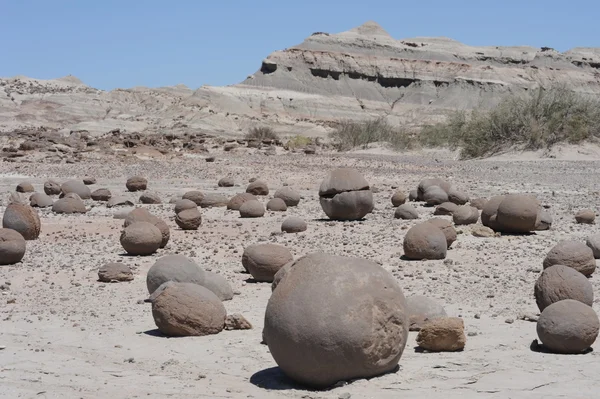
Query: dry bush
point(351, 134)
point(261, 133)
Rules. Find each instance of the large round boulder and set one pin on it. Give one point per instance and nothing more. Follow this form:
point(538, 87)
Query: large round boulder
point(262, 261)
point(398, 198)
point(573, 254)
point(288, 195)
point(425, 241)
point(150, 198)
point(406, 212)
point(422, 309)
point(214, 200)
point(23, 219)
point(489, 213)
point(237, 200)
point(218, 285)
point(12, 246)
point(184, 204)
point(68, 205)
point(226, 182)
point(178, 268)
point(517, 214)
point(426, 183)
point(52, 187)
point(585, 216)
point(568, 327)
point(77, 187)
point(25, 187)
point(195, 196)
point(184, 309)
point(136, 183)
point(141, 238)
point(40, 200)
point(143, 215)
point(560, 282)
point(593, 242)
point(434, 195)
point(189, 219)
point(457, 197)
point(465, 215)
point(447, 208)
point(446, 227)
point(276, 205)
point(258, 187)
point(334, 319)
point(252, 209)
point(345, 195)
point(101, 194)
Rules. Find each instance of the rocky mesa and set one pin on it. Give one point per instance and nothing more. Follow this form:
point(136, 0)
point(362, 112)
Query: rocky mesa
point(305, 89)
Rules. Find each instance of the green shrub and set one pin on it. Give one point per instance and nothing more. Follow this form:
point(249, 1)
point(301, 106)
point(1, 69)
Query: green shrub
point(540, 119)
point(351, 134)
point(261, 133)
point(298, 141)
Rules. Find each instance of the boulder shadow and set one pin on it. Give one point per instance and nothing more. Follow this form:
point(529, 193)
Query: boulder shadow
point(540, 348)
point(324, 220)
point(274, 378)
point(155, 333)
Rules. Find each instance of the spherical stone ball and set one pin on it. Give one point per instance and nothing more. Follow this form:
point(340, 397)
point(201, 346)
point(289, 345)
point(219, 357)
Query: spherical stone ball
point(585, 216)
point(101, 194)
point(457, 197)
point(218, 285)
point(237, 200)
point(40, 200)
point(115, 272)
point(252, 209)
point(593, 242)
point(88, 180)
point(342, 180)
point(288, 195)
point(77, 187)
point(350, 205)
point(465, 215)
point(425, 241)
point(195, 196)
point(141, 238)
point(25, 187)
point(276, 205)
point(136, 183)
point(568, 327)
point(150, 198)
point(489, 213)
point(52, 188)
point(143, 215)
point(189, 219)
point(184, 204)
point(334, 319)
point(422, 309)
point(560, 282)
point(426, 183)
point(214, 200)
point(406, 212)
point(69, 205)
point(178, 268)
point(293, 224)
point(573, 254)
point(184, 309)
point(262, 261)
point(446, 227)
point(447, 208)
point(226, 182)
point(435, 195)
point(478, 203)
point(413, 195)
point(398, 198)
point(23, 219)
point(258, 187)
point(12, 246)
point(517, 213)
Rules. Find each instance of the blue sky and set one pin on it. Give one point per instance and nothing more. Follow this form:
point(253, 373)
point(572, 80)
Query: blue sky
point(111, 43)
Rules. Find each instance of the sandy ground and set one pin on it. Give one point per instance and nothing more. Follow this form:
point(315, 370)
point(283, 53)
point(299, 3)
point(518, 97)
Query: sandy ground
point(65, 335)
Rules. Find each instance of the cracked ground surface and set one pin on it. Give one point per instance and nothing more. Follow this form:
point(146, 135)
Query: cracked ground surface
point(67, 335)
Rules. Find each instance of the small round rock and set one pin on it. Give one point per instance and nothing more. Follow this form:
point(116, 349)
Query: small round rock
point(252, 209)
point(189, 219)
point(568, 327)
point(150, 198)
point(25, 187)
point(68, 205)
point(425, 241)
point(141, 238)
point(276, 205)
point(40, 200)
point(52, 187)
point(398, 198)
point(226, 182)
point(465, 215)
point(136, 183)
point(23, 219)
point(560, 282)
point(293, 224)
point(258, 187)
point(12, 246)
point(195, 196)
point(184, 204)
point(585, 216)
point(237, 200)
point(77, 187)
point(573, 254)
point(406, 212)
point(178, 268)
point(101, 194)
point(288, 195)
point(262, 261)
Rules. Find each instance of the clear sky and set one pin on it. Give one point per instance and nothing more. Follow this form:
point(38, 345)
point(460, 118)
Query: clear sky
point(125, 43)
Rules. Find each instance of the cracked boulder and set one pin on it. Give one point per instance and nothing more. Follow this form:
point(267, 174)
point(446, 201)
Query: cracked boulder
point(346, 195)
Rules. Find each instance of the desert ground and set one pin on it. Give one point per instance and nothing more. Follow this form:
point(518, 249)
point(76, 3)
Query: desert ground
point(63, 334)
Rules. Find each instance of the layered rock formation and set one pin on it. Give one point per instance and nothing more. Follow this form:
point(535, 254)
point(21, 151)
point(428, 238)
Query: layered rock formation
point(358, 74)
